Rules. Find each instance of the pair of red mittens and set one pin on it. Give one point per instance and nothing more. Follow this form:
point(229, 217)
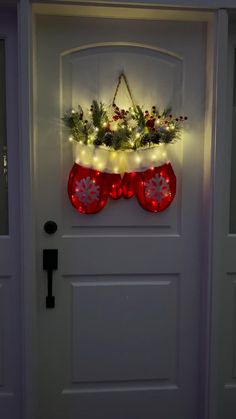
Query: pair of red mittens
point(89, 189)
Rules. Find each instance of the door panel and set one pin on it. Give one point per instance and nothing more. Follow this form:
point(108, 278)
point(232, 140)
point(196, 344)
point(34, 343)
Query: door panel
point(10, 336)
point(123, 340)
point(125, 345)
point(85, 75)
point(226, 302)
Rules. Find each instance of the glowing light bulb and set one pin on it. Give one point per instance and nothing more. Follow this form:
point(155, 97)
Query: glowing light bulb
point(167, 128)
point(72, 111)
point(137, 135)
point(70, 139)
point(130, 129)
point(80, 142)
point(138, 159)
point(104, 124)
point(96, 129)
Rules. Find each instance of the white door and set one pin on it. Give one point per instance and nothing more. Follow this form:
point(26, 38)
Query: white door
point(10, 348)
point(123, 339)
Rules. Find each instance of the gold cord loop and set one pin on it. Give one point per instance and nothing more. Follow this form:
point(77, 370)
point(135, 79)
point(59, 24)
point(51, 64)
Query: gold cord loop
point(122, 76)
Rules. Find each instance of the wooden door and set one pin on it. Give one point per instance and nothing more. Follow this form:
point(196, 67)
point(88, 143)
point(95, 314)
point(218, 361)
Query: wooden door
point(123, 340)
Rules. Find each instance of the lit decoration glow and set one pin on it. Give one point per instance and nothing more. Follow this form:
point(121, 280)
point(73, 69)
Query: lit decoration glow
point(89, 189)
point(121, 152)
point(120, 161)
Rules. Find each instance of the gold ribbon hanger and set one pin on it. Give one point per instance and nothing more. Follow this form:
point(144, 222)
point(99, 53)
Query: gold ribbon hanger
point(122, 76)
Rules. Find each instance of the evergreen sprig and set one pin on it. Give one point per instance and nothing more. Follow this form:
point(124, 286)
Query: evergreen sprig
point(123, 129)
point(98, 113)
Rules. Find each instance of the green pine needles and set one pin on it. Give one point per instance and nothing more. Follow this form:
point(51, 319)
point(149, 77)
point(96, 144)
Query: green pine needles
point(120, 129)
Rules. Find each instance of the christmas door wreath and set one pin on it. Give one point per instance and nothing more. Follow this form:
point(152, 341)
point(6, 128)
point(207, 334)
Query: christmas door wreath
point(121, 152)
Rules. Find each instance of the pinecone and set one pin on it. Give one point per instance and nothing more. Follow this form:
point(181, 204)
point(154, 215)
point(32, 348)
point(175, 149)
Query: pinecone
point(151, 137)
point(108, 139)
point(145, 140)
point(97, 141)
point(155, 137)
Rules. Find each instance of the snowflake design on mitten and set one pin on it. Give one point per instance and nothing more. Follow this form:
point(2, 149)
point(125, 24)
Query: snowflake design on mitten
point(157, 188)
point(87, 191)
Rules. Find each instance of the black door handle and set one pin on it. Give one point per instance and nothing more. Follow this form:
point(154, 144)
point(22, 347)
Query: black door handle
point(50, 264)
point(50, 227)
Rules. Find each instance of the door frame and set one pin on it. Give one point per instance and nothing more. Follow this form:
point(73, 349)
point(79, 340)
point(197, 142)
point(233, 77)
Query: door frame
point(216, 28)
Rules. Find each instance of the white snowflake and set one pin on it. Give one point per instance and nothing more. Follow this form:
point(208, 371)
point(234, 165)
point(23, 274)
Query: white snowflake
point(157, 188)
point(87, 191)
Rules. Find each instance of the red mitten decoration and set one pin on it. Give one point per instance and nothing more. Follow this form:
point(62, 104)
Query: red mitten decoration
point(89, 189)
point(114, 185)
point(86, 189)
point(129, 184)
point(156, 188)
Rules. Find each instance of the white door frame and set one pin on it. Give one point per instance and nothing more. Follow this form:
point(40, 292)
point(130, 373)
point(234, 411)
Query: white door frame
point(217, 32)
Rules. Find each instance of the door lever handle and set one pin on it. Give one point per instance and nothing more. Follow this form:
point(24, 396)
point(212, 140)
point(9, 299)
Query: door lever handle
point(50, 264)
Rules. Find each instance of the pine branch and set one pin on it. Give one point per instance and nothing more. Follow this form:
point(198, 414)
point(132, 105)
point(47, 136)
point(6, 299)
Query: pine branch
point(98, 114)
point(139, 116)
point(166, 112)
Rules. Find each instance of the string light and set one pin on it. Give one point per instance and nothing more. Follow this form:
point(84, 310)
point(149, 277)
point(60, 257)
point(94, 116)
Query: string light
point(101, 166)
point(89, 189)
point(70, 139)
point(120, 161)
